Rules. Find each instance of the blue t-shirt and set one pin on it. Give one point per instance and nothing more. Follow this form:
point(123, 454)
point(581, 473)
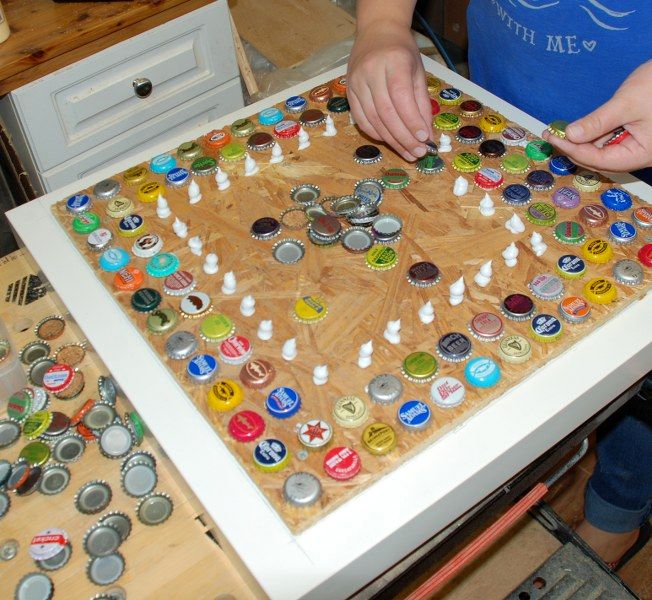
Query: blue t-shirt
point(557, 59)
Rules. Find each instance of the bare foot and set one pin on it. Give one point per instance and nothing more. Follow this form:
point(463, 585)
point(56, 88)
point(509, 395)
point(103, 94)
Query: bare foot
point(608, 546)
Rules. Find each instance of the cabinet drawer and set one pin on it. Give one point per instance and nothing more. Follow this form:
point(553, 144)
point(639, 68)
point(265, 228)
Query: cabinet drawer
point(77, 108)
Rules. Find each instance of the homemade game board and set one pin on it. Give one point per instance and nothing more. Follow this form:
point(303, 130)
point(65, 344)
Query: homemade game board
point(360, 293)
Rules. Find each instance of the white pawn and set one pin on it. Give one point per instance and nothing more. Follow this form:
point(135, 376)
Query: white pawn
point(510, 254)
point(515, 224)
point(251, 168)
point(248, 306)
point(195, 244)
point(487, 206)
point(483, 276)
point(364, 356)
point(304, 139)
point(289, 350)
point(445, 143)
point(392, 332)
point(194, 193)
point(538, 245)
point(277, 154)
point(229, 284)
point(180, 228)
point(330, 127)
point(265, 330)
point(210, 264)
point(320, 375)
point(456, 292)
point(162, 209)
point(222, 180)
point(427, 313)
point(461, 186)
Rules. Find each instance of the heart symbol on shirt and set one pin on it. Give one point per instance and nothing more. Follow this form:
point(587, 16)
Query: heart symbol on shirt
point(589, 45)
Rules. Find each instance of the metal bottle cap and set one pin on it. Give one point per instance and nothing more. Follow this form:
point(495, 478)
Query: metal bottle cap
point(189, 150)
point(106, 189)
point(357, 239)
point(315, 433)
point(367, 154)
point(101, 539)
point(414, 415)
point(181, 345)
point(93, 497)
point(204, 165)
point(423, 274)
point(486, 326)
point(57, 561)
point(116, 441)
point(302, 489)
point(35, 453)
point(5, 471)
point(119, 521)
point(78, 203)
point(99, 240)
point(140, 456)
point(454, 346)
point(34, 586)
point(288, 251)
point(574, 309)
point(546, 286)
point(517, 307)
point(9, 432)
point(265, 228)
point(54, 479)
point(447, 392)
point(379, 438)
point(154, 509)
point(34, 351)
point(419, 367)
point(5, 503)
point(385, 389)
point(31, 481)
point(350, 411)
point(202, 368)
point(103, 570)
point(139, 479)
point(628, 272)
point(257, 373)
point(312, 117)
point(69, 448)
point(99, 416)
point(260, 141)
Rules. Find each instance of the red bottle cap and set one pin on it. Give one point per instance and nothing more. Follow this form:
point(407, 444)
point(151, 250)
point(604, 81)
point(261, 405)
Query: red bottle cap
point(246, 426)
point(83, 410)
point(342, 463)
point(287, 129)
point(235, 348)
point(86, 432)
point(57, 378)
point(645, 255)
point(339, 86)
point(434, 105)
point(128, 279)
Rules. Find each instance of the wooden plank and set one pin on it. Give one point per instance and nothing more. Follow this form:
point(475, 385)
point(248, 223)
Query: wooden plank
point(286, 32)
point(47, 36)
point(175, 558)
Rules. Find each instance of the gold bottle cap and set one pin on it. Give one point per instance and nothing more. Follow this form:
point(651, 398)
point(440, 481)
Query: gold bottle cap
point(379, 438)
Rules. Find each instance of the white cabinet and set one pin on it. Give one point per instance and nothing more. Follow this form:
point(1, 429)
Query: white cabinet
point(88, 115)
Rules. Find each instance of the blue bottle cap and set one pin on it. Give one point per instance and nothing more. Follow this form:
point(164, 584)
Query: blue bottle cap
point(78, 203)
point(283, 402)
point(114, 259)
point(616, 199)
point(162, 163)
point(270, 455)
point(270, 116)
point(571, 265)
point(130, 224)
point(482, 372)
point(414, 414)
point(202, 368)
point(546, 328)
point(295, 104)
point(622, 232)
point(562, 165)
point(516, 194)
point(177, 177)
point(163, 264)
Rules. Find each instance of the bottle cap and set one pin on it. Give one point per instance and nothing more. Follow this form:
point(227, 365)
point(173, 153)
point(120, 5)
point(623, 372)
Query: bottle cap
point(628, 272)
point(206, 165)
point(622, 232)
point(114, 259)
point(469, 134)
point(195, 305)
point(517, 307)
point(569, 232)
point(320, 94)
point(586, 181)
point(379, 438)
point(488, 178)
point(85, 223)
point(177, 177)
point(99, 416)
point(19, 405)
point(79, 203)
point(260, 141)
point(135, 426)
point(597, 251)
point(325, 228)
point(370, 193)
point(616, 199)
point(103, 570)
point(467, 162)
point(106, 189)
point(516, 194)
point(139, 479)
point(367, 154)
point(642, 216)
point(162, 163)
point(541, 213)
point(312, 117)
point(546, 328)
point(179, 283)
point(99, 239)
point(600, 291)
point(271, 455)
point(558, 128)
point(385, 389)
point(540, 180)
point(381, 258)
point(571, 266)
point(119, 207)
point(419, 367)
point(492, 148)
point(202, 368)
point(539, 150)
point(218, 138)
point(287, 129)
point(70, 354)
point(233, 151)
point(189, 151)
point(135, 175)
point(93, 497)
point(471, 109)
point(454, 347)
point(216, 328)
point(482, 372)
point(59, 424)
point(562, 165)
point(101, 539)
point(515, 163)
point(546, 286)
point(447, 392)
point(34, 586)
point(106, 388)
point(235, 350)
point(19, 474)
point(486, 327)
point(305, 194)
point(257, 373)
point(68, 448)
point(310, 309)
point(35, 453)
point(295, 104)
point(54, 479)
point(645, 255)
point(350, 411)
point(515, 349)
point(423, 274)
point(338, 104)
point(145, 300)
point(154, 509)
point(246, 426)
point(270, 116)
point(450, 96)
point(513, 135)
point(414, 415)
point(302, 489)
point(181, 345)
point(288, 251)
point(224, 395)
point(342, 463)
point(492, 123)
point(119, 520)
point(242, 127)
point(433, 84)
point(446, 121)
point(574, 309)
point(37, 369)
point(115, 441)
point(315, 434)
point(147, 245)
point(265, 228)
point(430, 164)
point(283, 402)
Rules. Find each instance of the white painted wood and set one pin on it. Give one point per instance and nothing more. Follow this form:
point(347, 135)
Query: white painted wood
point(375, 529)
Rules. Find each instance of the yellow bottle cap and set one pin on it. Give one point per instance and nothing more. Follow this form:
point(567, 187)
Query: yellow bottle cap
point(225, 394)
point(135, 175)
point(600, 291)
point(119, 207)
point(597, 251)
point(586, 181)
point(381, 258)
point(350, 411)
point(515, 349)
point(216, 328)
point(310, 309)
point(433, 84)
point(233, 151)
point(379, 438)
point(492, 123)
point(149, 192)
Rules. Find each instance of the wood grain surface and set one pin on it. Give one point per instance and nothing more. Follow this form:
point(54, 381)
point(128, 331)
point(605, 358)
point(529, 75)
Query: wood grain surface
point(438, 226)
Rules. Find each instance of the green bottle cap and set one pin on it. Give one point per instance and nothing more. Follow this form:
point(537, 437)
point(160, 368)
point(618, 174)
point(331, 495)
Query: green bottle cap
point(381, 258)
point(19, 405)
point(162, 320)
point(162, 264)
point(145, 300)
point(467, 162)
point(85, 223)
point(338, 104)
point(446, 121)
point(395, 179)
point(430, 164)
point(242, 127)
point(570, 232)
point(189, 151)
point(233, 151)
point(541, 213)
point(135, 426)
point(204, 165)
point(515, 163)
point(36, 453)
point(215, 328)
point(539, 150)
point(419, 367)
point(36, 424)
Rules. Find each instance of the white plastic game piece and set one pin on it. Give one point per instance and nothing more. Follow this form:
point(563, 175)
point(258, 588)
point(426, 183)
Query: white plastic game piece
point(483, 276)
point(456, 292)
point(277, 154)
point(515, 224)
point(180, 228)
point(351, 119)
point(461, 186)
point(427, 313)
point(265, 330)
point(487, 206)
point(304, 139)
point(195, 244)
point(510, 254)
point(289, 350)
point(194, 193)
point(538, 245)
point(364, 356)
point(229, 284)
point(251, 168)
point(320, 375)
point(222, 180)
point(162, 209)
point(248, 306)
point(392, 332)
point(445, 143)
point(330, 127)
point(210, 264)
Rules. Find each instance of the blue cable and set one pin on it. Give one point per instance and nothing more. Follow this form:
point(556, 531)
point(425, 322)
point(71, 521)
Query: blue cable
point(435, 40)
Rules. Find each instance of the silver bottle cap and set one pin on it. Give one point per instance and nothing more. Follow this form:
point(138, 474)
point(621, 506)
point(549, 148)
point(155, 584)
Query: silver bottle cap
point(60, 559)
point(140, 456)
point(181, 345)
point(5, 503)
point(154, 509)
point(107, 389)
point(116, 441)
point(34, 351)
point(69, 448)
point(54, 479)
point(99, 416)
point(37, 369)
point(139, 479)
point(628, 272)
point(103, 570)
point(99, 240)
point(93, 497)
point(118, 520)
point(385, 389)
point(102, 539)
point(34, 586)
point(9, 432)
point(106, 189)
point(288, 251)
point(302, 489)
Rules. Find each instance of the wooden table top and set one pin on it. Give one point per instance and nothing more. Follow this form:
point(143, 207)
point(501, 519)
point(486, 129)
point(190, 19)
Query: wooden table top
point(46, 36)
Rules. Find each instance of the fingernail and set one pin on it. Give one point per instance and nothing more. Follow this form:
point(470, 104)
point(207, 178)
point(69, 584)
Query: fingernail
point(419, 151)
point(422, 135)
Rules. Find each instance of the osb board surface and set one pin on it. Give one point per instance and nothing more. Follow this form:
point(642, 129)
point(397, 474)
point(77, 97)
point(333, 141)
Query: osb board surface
point(174, 558)
point(437, 226)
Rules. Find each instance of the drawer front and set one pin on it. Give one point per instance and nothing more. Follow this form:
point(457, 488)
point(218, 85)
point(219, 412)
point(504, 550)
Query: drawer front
point(202, 109)
point(79, 107)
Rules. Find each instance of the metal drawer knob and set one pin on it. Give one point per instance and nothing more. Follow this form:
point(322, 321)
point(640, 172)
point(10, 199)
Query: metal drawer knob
point(142, 87)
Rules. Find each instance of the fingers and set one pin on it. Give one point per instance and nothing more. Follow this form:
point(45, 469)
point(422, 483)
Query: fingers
point(598, 123)
point(401, 91)
point(423, 101)
point(360, 117)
